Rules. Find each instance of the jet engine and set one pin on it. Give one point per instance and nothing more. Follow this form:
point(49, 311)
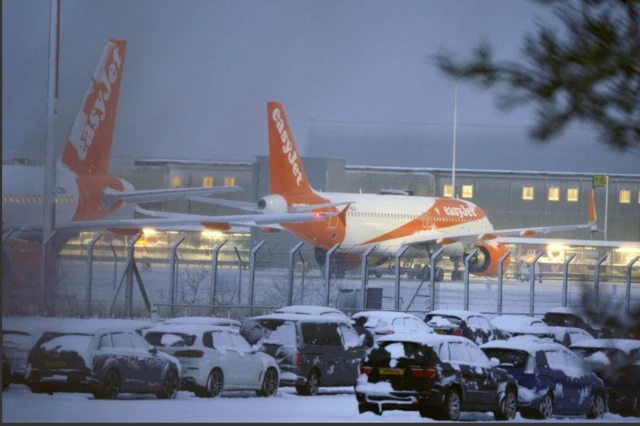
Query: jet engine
point(273, 204)
point(486, 261)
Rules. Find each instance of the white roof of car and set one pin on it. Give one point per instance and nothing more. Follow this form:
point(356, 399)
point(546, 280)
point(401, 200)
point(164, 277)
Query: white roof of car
point(309, 310)
point(188, 328)
point(512, 322)
point(455, 312)
point(304, 317)
point(626, 345)
point(383, 315)
point(529, 344)
point(201, 320)
point(422, 338)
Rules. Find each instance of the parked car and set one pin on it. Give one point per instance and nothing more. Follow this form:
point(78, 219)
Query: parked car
point(617, 363)
point(552, 380)
point(311, 310)
point(438, 376)
point(222, 322)
point(568, 336)
point(15, 349)
point(572, 317)
point(472, 325)
point(311, 350)
point(521, 325)
point(382, 323)
point(104, 362)
point(216, 359)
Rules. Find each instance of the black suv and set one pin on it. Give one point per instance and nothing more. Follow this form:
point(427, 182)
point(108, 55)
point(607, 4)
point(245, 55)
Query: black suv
point(472, 325)
point(438, 376)
point(311, 350)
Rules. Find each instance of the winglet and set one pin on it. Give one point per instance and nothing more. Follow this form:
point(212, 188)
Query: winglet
point(592, 207)
point(343, 215)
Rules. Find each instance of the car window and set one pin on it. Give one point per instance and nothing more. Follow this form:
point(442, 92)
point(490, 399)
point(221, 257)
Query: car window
point(472, 322)
point(239, 342)
point(138, 342)
point(105, 341)
point(458, 353)
point(120, 340)
point(321, 334)
point(221, 340)
point(398, 322)
point(537, 323)
point(350, 338)
point(477, 356)
point(555, 359)
point(483, 323)
point(541, 360)
point(578, 336)
point(443, 352)
point(207, 339)
point(572, 359)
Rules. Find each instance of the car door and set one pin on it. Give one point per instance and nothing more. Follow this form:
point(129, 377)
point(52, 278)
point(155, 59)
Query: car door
point(228, 359)
point(353, 353)
point(565, 391)
point(487, 386)
point(127, 360)
point(460, 359)
point(324, 345)
point(580, 375)
point(151, 365)
point(250, 361)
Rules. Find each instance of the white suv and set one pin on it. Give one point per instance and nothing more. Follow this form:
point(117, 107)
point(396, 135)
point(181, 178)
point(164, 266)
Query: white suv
point(215, 359)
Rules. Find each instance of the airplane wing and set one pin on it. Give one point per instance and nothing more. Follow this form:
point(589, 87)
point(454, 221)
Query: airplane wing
point(253, 207)
point(147, 195)
point(477, 237)
point(177, 221)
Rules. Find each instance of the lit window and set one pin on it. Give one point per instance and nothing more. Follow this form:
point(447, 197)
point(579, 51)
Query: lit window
point(625, 196)
point(554, 194)
point(638, 197)
point(572, 194)
point(207, 181)
point(57, 200)
point(5, 198)
point(39, 199)
point(229, 181)
point(11, 198)
point(467, 191)
point(176, 181)
point(447, 191)
point(527, 193)
point(21, 199)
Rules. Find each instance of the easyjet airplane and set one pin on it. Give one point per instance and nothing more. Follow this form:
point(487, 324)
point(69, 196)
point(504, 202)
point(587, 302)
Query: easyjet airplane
point(387, 222)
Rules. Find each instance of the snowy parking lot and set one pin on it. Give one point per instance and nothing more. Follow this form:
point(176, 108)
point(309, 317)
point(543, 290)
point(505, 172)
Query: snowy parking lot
point(332, 405)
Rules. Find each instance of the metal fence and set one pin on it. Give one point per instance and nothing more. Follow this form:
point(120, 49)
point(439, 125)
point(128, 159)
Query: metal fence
point(186, 275)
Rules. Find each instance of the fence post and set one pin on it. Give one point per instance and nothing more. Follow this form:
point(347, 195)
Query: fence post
point(128, 293)
point(327, 271)
point(214, 272)
point(565, 281)
point(500, 279)
point(252, 274)
point(596, 281)
point(466, 278)
point(365, 274)
point(92, 243)
point(172, 272)
point(532, 284)
point(292, 265)
point(432, 278)
point(399, 254)
point(628, 286)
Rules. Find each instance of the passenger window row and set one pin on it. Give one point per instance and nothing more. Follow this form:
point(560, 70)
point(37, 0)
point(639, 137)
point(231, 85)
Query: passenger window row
point(37, 199)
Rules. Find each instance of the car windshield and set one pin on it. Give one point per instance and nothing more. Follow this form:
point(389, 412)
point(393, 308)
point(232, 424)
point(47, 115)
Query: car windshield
point(442, 321)
point(169, 339)
point(398, 353)
point(64, 342)
point(508, 357)
point(561, 320)
point(270, 331)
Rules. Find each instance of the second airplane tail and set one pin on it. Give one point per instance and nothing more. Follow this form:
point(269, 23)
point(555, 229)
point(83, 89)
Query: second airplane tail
point(88, 148)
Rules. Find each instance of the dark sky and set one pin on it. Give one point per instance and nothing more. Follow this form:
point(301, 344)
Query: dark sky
point(198, 73)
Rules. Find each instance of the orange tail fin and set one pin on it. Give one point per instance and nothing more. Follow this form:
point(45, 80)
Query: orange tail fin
point(88, 148)
point(285, 165)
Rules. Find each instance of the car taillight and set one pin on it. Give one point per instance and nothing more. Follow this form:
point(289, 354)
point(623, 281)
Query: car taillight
point(622, 374)
point(457, 332)
point(384, 332)
point(192, 353)
point(427, 371)
point(299, 360)
point(364, 370)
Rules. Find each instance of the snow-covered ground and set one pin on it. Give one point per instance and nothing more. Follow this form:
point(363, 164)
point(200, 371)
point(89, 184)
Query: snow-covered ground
point(331, 406)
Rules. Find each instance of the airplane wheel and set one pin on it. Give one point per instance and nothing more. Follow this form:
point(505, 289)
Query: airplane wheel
point(439, 274)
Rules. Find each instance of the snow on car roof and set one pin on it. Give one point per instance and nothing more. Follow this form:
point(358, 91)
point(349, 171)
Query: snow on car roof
point(303, 318)
point(512, 322)
point(455, 312)
point(626, 345)
point(37, 325)
point(564, 310)
point(200, 320)
point(528, 344)
point(382, 314)
point(308, 310)
point(188, 328)
point(422, 338)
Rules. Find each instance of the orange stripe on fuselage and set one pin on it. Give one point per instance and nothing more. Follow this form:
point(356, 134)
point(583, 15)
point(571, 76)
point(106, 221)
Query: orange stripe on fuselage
point(324, 234)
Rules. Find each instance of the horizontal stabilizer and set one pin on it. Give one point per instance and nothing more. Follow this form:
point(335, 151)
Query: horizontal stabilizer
point(149, 195)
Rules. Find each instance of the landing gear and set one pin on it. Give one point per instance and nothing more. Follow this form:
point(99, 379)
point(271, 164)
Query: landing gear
point(456, 274)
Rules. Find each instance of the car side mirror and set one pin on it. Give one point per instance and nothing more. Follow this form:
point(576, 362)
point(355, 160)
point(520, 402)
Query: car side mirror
point(153, 350)
point(494, 362)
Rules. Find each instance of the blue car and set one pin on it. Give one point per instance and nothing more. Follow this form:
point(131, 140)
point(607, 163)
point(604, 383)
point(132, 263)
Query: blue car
point(552, 380)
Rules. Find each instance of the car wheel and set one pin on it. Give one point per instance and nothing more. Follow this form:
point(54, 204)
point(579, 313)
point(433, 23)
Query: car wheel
point(215, 383)
point(269, 383)
point(170, 385)
point(312, 386)
point(598, 407)
point(110, 386)
point(508, 406)
point(545, 410)
point(451, 407)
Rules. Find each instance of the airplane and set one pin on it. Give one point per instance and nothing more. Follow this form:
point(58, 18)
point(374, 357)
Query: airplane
point(86, 194)
point(386, 222)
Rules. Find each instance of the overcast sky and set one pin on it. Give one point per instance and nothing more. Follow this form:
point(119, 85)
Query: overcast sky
point(198, 73)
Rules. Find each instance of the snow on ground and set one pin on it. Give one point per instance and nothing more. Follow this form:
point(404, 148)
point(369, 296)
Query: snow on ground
point(331, 406)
